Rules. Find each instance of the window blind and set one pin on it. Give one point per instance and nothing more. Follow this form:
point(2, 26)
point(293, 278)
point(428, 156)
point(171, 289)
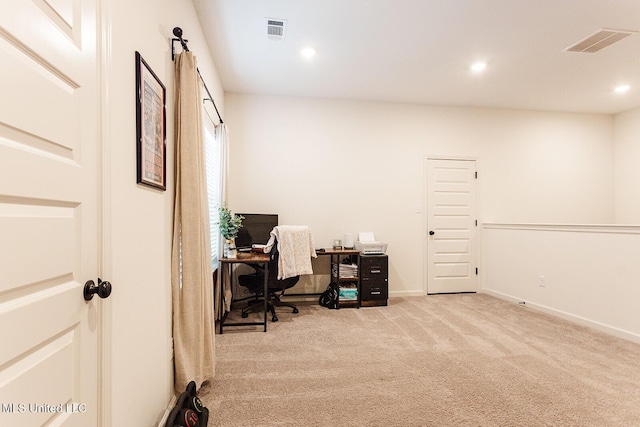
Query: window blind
point(213, 163)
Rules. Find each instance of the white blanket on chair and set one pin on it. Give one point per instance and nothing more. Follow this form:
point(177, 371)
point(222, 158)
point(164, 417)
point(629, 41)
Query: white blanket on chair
point(295, 245)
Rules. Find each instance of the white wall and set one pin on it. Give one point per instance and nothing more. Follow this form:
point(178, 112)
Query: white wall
point(346, 166)
point(590, 273)
point(627, 172)
point(139, 219)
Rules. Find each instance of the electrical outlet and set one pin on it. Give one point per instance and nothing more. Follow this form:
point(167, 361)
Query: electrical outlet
point(542, 282)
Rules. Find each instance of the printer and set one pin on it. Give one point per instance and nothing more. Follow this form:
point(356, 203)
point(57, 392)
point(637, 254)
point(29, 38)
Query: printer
point(367, 244)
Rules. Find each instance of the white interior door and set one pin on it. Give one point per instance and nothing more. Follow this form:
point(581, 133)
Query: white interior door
point(451, 226)
point(48, 212)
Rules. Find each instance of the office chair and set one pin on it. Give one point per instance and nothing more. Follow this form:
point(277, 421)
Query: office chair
point(275, 288)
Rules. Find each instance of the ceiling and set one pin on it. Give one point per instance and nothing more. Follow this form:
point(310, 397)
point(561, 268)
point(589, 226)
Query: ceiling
point(420, 51)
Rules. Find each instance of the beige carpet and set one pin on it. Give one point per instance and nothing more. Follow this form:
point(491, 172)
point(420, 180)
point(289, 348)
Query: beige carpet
point(448, 360)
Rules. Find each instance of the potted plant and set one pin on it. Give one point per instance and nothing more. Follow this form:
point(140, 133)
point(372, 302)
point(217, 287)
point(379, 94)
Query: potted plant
point(229, 226)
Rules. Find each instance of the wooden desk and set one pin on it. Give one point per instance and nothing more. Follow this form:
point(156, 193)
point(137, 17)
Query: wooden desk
point(338, 252)
point(226, 264)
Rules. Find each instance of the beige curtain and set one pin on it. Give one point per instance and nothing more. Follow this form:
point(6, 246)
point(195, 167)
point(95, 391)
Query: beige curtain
point(191, 275)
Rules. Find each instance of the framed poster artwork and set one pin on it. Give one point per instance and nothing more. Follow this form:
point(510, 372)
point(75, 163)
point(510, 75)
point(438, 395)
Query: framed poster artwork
point(151, 126)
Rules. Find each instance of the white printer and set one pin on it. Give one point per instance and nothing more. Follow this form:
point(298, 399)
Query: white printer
point(367, 244)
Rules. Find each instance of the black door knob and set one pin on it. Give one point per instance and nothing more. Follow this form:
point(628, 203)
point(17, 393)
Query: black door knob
point(103, 289)
point(431, 232)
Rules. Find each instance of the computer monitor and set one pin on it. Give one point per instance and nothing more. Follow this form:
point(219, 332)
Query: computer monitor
point(256, 229)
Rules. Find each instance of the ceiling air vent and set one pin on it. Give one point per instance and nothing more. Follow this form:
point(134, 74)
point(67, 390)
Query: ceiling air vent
point(599, 40)
point(275, 29)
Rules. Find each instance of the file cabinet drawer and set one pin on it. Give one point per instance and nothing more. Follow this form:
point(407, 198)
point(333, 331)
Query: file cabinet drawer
point(374, 266)
point(374, 290)
point(374, 280)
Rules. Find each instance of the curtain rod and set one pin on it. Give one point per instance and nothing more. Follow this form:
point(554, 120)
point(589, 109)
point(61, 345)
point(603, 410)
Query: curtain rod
point(177, 31)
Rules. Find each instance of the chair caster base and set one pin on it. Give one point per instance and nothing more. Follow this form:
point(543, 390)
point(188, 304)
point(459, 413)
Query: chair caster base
point(274, 319)
point(245, 315)
point(295, 310)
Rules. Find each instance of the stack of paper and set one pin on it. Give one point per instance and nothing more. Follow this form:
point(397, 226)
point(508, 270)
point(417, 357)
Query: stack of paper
point(347, 271)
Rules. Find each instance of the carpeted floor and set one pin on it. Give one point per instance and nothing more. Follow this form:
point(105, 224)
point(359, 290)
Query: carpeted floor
point(448, 360)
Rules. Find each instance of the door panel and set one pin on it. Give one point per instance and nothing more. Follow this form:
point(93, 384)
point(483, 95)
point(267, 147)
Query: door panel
point(48, 212)
point(451, 223)
point(54, 251)
point(453, 246)
point(452, 269)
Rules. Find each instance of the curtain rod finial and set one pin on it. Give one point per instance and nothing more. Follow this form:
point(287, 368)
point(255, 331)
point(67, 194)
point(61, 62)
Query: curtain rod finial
point(177, 31)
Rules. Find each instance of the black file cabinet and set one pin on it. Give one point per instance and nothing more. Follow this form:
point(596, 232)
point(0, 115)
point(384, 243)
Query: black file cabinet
point(374, 280)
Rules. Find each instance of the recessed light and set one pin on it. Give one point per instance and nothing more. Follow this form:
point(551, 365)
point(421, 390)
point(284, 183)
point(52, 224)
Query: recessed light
point(478, 67)
point(308, 52)
point(622, 89)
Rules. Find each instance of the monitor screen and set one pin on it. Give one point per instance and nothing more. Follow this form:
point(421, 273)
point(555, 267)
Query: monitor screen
point(255, 229)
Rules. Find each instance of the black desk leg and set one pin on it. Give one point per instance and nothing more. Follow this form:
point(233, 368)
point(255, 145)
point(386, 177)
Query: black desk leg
point(220, 308)
point(223, 312)
point(266, 294)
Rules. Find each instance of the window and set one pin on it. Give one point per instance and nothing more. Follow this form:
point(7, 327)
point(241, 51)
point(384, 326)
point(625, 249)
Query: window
point(214, 167)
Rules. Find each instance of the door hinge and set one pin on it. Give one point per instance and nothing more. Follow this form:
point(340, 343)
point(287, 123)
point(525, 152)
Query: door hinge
point(476, 174)
point(476, 271)
point(476, 222)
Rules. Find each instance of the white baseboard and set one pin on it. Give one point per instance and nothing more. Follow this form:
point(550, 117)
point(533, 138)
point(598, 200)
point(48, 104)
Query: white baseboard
point(406, 294)
point(620, 333)
point(172, 403)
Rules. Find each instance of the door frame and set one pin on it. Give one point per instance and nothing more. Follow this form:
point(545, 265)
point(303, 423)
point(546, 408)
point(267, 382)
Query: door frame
point(105, 369)
point(423, 226)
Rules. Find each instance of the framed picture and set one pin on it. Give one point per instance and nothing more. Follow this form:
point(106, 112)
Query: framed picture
point(151, 126)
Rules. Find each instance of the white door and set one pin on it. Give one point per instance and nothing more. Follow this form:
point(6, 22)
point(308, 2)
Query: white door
point(49, 140)
point(451, 226)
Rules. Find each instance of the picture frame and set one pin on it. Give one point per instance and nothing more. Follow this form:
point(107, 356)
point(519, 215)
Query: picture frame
point(151, 127)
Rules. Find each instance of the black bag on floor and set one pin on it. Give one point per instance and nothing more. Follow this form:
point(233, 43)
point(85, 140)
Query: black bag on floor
point(329, 298)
